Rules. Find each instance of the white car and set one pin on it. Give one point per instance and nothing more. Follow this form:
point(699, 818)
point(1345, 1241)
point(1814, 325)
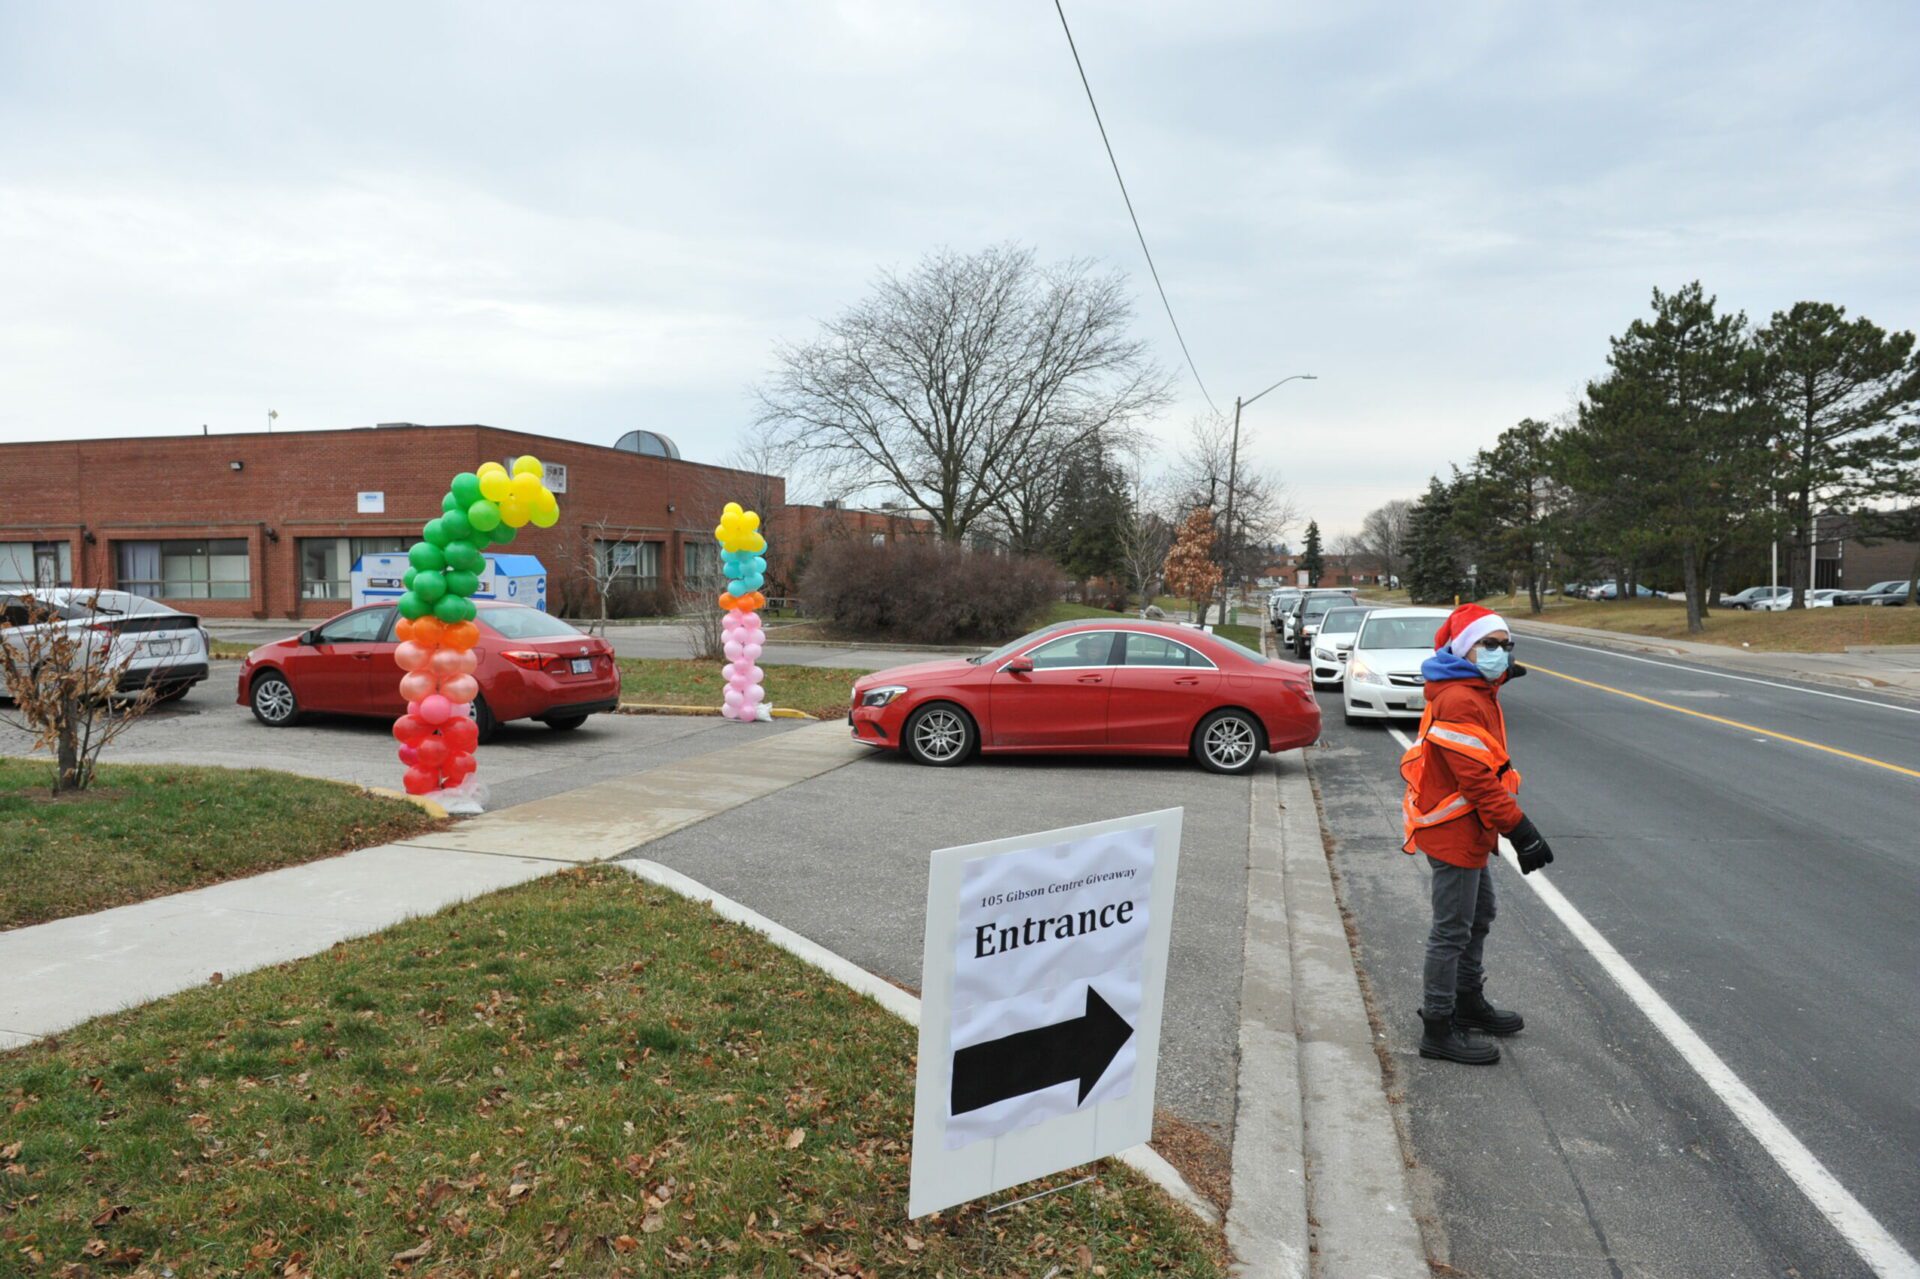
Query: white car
point(1755, 597)
point(1332, 643)
point(152, 645)
point(1383, 679)
point(1822, 598)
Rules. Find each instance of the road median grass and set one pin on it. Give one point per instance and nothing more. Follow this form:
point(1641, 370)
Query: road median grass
point(585, 1075)
point(821, 691)
point(146, 830)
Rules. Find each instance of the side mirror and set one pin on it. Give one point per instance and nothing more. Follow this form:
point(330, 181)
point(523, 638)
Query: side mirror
point(1019, 665)
point(309, 637)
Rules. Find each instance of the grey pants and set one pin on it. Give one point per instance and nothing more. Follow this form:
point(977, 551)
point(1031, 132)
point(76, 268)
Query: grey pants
point(1463, 911)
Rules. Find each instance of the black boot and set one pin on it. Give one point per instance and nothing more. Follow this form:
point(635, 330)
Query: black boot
point(1470, 1008)
point(1448, 1040)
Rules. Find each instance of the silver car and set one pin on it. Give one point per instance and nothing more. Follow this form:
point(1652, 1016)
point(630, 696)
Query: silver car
point(151, 645)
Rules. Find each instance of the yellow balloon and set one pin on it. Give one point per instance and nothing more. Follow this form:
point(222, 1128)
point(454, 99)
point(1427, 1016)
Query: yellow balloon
point(527, 487)
point(731, 509)
point(545, 501)
point(494, 484)
point(545, 516)
point(719, 532)
point(752, 519)
point(514, 512)
point(489, 468)
point(529, 465)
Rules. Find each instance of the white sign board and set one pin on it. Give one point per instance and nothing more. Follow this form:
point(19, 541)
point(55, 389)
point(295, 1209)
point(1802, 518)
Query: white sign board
point(1041, 988)
point(372, 503)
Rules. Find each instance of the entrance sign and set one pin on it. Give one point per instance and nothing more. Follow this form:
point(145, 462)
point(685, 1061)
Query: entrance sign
point(1041, 987)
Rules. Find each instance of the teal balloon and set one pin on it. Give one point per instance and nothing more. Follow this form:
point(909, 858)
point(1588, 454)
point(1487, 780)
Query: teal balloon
point(411, 606)
point(753, 582)
point(426, 555)
point(452, 608)
point(502, 535)
point(466, 489)
point(465, 556)
point(454, 524)
point(435, 531)
point(483, 515)
point(450, 503)
point(461, 582)
point(736, 587)
point(759, 564)
point(429, 584)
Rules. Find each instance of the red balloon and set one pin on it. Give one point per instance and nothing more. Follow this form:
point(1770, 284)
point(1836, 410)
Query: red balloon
point(432, 752)
point(408, 731)
point(460, 735)
point(409, 756)
point(419, 781)
point(459, 767)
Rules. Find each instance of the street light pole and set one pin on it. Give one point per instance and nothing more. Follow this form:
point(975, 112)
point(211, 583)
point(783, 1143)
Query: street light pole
point(1233, 476)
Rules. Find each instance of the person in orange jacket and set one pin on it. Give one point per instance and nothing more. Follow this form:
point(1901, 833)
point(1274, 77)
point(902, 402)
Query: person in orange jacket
point(1460, 798)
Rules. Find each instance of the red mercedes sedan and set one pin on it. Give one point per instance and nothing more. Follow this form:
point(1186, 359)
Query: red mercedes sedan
point(532, 666)
point(1096, 687)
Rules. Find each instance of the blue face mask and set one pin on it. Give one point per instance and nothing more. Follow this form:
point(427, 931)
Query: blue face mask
point(1493, 662)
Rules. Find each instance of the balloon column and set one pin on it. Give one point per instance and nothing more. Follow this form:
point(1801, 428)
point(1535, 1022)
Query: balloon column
point(743, 550)
point(436, 629)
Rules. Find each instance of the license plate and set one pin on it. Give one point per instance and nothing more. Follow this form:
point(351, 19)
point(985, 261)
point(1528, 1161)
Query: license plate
point(162, 648)
point(583, 666)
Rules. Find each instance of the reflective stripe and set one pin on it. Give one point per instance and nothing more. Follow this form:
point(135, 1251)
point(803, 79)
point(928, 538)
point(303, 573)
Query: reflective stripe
point(1450, 807)
point(1462, 739)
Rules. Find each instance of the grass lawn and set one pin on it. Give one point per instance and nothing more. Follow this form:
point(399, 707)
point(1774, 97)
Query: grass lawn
point(817, 690)
point(1813, 630)
point(219, 648)
point(144, 830)
point(585, 1075)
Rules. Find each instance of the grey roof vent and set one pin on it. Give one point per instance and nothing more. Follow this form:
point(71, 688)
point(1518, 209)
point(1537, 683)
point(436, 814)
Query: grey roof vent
point(648, 444)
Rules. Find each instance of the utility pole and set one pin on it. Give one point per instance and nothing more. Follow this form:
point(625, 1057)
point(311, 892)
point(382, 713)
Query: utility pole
point(1233, 476)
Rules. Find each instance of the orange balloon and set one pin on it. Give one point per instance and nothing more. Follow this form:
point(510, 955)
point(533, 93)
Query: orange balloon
point(427, 631)
point(752, 601)
point(403, 630)
point(727, 601)
point(461, 636)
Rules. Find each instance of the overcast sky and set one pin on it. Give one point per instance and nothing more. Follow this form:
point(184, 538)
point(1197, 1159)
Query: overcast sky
point(579, 219)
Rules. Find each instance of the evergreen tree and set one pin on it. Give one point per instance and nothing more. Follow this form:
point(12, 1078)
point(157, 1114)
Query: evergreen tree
point(1311, 558)
point(1433, 565)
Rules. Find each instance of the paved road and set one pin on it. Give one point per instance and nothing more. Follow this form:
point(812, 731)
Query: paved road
point(1766, 890)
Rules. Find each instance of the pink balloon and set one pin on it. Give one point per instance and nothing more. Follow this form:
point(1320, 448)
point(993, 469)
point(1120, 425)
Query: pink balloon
point(411, 656)
point(409, 756)
point(413, 709)
point(755, 675)
point(415, 685)
point(460, 710)
point(734, 651)
point(733, 697)
point(751, 652)
point(461, 688)
point(448, 662)
point(435, 709)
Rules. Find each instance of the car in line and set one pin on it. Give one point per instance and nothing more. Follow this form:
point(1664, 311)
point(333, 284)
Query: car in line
point(1279, 603)
point(150, 644)
point(1754, 596)
point(1611, 591)
point(1304, 620)
point(1092, 686)
point(1888, 594)
point(1334, 641)
point(1822, 598)
point(531, 665)
point(1383, 679)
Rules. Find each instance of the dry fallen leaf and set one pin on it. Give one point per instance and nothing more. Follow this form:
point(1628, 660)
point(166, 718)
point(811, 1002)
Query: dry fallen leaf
point(94, 1248)
point(11, 1150)
point(913, 1243)
point(110, 1214)
point(654, 1222)
point(517, 1191)
point(625, 1243)
point(795, 1137)
point(415, 1253)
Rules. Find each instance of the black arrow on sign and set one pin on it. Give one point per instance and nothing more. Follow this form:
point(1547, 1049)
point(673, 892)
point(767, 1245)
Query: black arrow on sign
point(1030, 1060)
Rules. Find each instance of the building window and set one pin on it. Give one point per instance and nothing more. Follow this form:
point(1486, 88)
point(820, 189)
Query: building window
point(700, 561)
point(326, 563)
point(26, 566)
point(210, 570)
point(634, 564)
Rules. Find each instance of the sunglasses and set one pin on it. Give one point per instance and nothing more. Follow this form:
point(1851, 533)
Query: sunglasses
point(1494, 643)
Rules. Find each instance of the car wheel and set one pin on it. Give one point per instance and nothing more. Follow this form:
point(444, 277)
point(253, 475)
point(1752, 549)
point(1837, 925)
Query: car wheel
point(1228, 741)
point(273, 701)
point(483, 719)
point(172, 693)
point(940, 734)
point(565, 723)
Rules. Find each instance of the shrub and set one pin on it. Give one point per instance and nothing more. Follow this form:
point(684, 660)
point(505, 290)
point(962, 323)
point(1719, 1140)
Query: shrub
point(926, 592)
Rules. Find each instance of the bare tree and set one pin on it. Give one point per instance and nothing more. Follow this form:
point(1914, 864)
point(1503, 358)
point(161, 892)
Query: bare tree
point(954, 383)
point(700, 614)
point(1263, 508)
point(1146, 535)
point(1383, 535)
point(64, 678)
point(591, 562)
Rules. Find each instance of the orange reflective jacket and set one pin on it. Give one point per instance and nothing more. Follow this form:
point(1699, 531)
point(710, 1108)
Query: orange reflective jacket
point(1474, 739)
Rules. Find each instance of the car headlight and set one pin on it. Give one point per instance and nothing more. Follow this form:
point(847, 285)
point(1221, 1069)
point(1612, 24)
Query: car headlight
point(882, 695)
point(1364, 674)
point(1322, 654)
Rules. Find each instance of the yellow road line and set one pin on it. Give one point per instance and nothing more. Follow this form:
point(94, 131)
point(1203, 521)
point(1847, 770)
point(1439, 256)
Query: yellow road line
point(1730, 723)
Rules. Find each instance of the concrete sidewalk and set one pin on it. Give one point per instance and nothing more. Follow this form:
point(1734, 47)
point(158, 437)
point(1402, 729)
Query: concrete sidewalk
point(1886, 668)
point(66, 972)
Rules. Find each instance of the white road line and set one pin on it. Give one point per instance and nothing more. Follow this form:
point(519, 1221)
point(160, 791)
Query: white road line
point(1862, 1231)
point(1699, 670)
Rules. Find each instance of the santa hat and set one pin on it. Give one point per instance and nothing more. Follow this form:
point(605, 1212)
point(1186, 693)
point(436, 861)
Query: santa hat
point(1465, 627)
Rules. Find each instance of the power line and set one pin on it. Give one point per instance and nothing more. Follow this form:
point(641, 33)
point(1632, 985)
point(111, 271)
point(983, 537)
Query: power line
point(1151, 268)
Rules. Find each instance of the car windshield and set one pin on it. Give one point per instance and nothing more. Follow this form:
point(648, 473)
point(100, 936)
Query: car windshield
point(1342, 621)
point(1318, 604)
point(526, 623)
point(1014, 646)
point(1398, 632)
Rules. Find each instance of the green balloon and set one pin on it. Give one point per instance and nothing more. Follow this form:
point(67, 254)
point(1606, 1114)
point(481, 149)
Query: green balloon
point(484, 516)
point(411, 606)
point(435, 531)
point(426, 555)
point(466, 488)
point(465, 556)
point(461, 582)
point(454, 524)
point(452, 608)
point(429, 584)
point(502, 535)
point(406, 578)
point(450, 503)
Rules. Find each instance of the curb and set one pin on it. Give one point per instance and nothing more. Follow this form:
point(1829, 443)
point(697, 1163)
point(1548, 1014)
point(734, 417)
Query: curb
point(387, 792)
point(661, 708)
point(1142, 1159)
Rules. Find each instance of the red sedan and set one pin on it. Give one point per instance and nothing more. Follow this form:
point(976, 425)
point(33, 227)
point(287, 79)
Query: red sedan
point(1099, 687)
point(532, 666)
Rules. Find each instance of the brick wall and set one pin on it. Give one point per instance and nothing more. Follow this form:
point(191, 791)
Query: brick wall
point(293, 485)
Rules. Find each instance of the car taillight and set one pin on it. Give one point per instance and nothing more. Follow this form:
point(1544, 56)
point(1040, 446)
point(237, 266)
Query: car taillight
point(526, 659)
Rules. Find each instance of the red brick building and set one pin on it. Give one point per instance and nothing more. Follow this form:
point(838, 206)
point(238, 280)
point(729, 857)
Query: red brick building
point(268, 525)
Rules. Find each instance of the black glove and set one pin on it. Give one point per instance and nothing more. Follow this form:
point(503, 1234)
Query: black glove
point(1515, 671)
point(1529, 846)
